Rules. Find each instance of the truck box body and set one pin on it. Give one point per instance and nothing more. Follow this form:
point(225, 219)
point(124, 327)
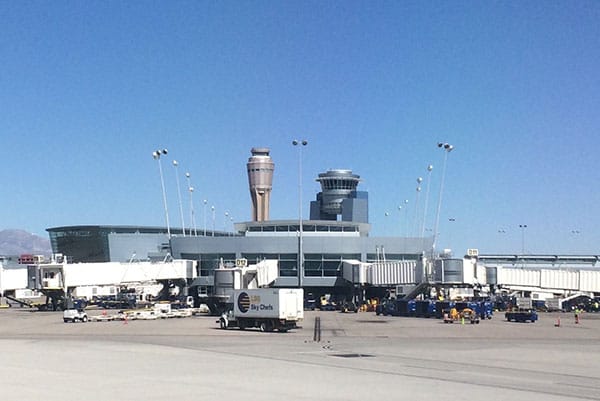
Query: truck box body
point(269, 303)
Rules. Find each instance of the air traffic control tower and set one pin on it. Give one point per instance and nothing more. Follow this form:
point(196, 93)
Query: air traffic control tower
point(260, 178)
point(339, 196)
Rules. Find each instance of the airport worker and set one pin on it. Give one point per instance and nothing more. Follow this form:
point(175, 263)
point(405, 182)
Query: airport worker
point(577, 315)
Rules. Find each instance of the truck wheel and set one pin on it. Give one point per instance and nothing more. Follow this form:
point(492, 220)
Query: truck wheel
point(84, 319)
point(66, 320)
point(266, 327)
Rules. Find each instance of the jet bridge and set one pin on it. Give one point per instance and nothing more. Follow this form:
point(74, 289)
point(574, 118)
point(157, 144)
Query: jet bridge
point(58, 279)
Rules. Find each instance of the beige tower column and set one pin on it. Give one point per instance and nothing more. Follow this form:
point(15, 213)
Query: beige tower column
point(260, 168)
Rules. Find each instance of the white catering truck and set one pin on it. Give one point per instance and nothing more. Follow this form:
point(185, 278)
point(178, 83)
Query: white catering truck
point(265, 308)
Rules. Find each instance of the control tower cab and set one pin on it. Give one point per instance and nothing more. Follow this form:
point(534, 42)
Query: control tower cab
point(339, 197)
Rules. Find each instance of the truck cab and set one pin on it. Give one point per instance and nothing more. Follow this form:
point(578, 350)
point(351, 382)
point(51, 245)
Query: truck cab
point(227, 320)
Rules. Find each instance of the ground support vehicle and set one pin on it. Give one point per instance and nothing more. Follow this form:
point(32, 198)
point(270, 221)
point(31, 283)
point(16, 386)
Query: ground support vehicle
point(451, 316)
point(442, 308)
point(267, 309)
point(521, 316)
point(387, 307)
point(74, 316)
point(326, 303)
point(426, 308)
point(484, 309)
point(469, 315)
point(349, 307)
point(120, 301)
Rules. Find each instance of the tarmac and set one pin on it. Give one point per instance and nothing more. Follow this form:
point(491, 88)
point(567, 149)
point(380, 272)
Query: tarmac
point(360, 356)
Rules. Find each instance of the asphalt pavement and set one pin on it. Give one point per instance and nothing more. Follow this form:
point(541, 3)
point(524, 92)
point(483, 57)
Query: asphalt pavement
point(360, 356)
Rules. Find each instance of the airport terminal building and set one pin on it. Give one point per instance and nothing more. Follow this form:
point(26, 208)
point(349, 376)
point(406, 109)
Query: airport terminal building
point(314, 253)
point(337, 230)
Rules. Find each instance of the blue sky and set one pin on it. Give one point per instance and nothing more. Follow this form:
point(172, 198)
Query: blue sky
point(88, 90)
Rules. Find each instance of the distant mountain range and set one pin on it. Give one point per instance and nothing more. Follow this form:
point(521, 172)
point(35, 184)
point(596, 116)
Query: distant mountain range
point(20, 242)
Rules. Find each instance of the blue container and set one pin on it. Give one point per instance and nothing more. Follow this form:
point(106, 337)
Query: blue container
point(432, 309)
point(488, 308)
point(482, 308)
point(425, 308)
point(412, 308)
point(442, 307)
point(402, 307)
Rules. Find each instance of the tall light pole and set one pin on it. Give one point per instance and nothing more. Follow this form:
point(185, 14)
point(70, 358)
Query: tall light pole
point(300, 144)
point(416, 218)
point(429, 169)
point(400, 226)
point(204, 202)
point(225, 219)
point(213, 220)
point(447, 148)
point(192, 218)
point(522, 227)
point(156, 155)
point(386, 226)
point(192, 214)
point(405, 218)
point(175, 165)
point(400, 219)
point(404, 240)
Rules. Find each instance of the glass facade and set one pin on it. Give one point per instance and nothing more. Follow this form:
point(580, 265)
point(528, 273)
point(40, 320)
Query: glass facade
point(325, 265)
point(81, 245)
point(287, 261)
point(315, 265)
point(307, 227)
point(87, 244)
point(208, 262)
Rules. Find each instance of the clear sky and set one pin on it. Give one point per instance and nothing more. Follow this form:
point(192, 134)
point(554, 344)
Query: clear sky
point(89, 89)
